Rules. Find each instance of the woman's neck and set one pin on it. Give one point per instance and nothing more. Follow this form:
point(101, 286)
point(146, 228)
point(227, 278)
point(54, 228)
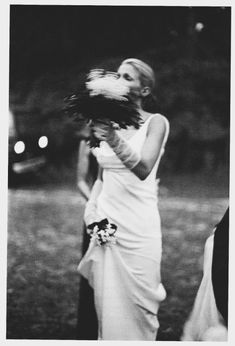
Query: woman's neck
point(143, 114)
point(138, 103)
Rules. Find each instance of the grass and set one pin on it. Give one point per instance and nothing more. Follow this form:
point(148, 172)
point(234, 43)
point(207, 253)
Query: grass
point(44, 248)
point(43, 252)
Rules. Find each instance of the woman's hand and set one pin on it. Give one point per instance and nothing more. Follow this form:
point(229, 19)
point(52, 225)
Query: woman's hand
point(102, 130)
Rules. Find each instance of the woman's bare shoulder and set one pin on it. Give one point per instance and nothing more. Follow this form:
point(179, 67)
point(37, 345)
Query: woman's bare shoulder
point(159, 117)
point(158, 123)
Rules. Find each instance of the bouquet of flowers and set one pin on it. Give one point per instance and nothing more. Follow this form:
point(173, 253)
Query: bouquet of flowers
point(103, 232)
point(103, 98)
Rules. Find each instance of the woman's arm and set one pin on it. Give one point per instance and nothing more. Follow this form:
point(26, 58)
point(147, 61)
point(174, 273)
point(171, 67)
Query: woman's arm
point(90, 214)
point(151, 148)
point(82, 168)
point(141, 165)
point(95, 191)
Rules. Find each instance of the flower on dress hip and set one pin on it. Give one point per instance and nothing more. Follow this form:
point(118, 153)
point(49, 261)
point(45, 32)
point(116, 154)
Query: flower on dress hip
point(102, 232)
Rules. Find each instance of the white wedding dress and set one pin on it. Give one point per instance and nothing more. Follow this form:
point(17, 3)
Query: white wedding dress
point(205, 322)
point(126, 276)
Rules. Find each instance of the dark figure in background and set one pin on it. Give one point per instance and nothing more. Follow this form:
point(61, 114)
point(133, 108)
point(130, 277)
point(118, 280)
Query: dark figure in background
point(220, 266)
point(87, 167)
point(87, 328)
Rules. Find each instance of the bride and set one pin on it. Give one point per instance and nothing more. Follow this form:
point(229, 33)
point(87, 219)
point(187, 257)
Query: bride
point(125, 274)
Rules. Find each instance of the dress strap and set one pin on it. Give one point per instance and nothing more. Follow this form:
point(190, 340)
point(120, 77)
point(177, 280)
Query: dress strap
point(167, 130)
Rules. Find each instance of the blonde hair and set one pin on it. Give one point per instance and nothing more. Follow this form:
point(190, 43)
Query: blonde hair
point(147, 76)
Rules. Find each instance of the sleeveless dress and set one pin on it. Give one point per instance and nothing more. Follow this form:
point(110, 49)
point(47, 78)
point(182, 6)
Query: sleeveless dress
point(125, 276)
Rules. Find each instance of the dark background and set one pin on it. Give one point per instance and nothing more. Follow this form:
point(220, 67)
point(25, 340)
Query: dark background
point(45, 38)
point(53, 47)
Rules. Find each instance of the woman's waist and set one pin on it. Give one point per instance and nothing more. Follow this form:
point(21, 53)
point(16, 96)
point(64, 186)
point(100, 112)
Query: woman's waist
point(133, 222)
point(138, 197)
point(126, 182)
point(134, 217)
point(144, 209)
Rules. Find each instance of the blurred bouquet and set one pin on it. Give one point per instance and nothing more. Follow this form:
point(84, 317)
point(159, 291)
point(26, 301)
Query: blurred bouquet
point(104, 98)
point(102, 232)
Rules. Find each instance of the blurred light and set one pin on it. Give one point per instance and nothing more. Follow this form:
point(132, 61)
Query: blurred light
point(19, 147)
point(199, 26)
point(43, 142)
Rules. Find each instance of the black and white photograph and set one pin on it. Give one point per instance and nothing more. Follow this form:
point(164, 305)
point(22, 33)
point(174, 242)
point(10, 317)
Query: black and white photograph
point(118, 171)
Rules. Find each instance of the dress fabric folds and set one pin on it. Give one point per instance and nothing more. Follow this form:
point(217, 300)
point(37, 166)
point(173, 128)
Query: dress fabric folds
point(126, 276)
point(205, 322)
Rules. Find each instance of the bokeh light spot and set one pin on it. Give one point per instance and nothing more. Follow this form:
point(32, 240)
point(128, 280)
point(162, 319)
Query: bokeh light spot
point(199, 26)
point(19, 147)
point(43, 142)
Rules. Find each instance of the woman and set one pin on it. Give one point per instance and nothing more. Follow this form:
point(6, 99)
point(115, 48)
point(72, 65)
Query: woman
point(208, 320)
point(125, 276)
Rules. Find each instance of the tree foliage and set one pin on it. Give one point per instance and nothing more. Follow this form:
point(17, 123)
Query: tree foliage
point(192, 71)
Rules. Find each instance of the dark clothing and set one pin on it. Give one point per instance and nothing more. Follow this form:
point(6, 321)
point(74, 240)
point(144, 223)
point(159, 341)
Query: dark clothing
point(220, 265)
point(87, 325)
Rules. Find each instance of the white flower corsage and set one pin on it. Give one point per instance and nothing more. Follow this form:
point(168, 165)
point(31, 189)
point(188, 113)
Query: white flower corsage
point(102, 232)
